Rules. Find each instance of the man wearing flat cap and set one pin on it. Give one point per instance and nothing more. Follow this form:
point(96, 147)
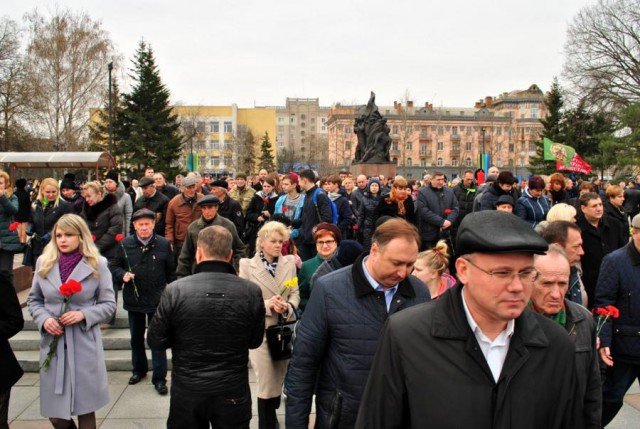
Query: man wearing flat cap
point(209, 206)
point(476, 357)
point(145, 264)
point(153, 200)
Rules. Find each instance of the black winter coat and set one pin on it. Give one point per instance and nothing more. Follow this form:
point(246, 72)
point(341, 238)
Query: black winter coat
point(157, 204)
point(232, 210)
point(24, 205)
point(210, 320)
point(430, 370)
point(385, 208)
point(619, 285)
point(367, 218)
point(596, 243)
point(105, 222)
point(345, 215)
point(11, 322)
point(154, 267)
point(619, 218)
point(465, 197)
point(336, 342)
point(489, 198)
point(42, 221)
point(632, 201)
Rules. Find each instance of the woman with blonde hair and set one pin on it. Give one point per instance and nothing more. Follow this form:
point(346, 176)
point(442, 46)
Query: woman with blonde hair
point(73, 375)
point(398, 203)
point(45, 212)
point(269, 269)
point(9, 240)
point(562, 211)
point(431, 267)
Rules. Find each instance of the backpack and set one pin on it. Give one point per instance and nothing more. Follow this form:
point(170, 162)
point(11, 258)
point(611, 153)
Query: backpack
point(334, 208)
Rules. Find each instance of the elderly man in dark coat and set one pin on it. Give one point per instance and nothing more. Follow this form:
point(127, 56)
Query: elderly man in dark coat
point(475, 358)
point(153, 200)
point(549, 299)
point(145, 264)
point(339, 332)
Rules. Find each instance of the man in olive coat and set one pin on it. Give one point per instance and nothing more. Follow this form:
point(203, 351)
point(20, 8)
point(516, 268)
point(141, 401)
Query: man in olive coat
point(475, 357)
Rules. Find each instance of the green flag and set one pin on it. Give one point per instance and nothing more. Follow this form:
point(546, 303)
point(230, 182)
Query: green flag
point(560, 153)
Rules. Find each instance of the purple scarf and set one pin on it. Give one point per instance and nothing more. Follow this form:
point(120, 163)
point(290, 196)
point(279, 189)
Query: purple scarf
point(67, 263)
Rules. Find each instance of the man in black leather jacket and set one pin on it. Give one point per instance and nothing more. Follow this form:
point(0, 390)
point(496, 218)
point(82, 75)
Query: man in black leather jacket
point(210, 320)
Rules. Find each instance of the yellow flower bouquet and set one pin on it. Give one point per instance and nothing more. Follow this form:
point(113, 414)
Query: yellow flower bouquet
point(289, 284)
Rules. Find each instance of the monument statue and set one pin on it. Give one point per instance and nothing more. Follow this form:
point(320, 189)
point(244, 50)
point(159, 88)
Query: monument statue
point(373, 135)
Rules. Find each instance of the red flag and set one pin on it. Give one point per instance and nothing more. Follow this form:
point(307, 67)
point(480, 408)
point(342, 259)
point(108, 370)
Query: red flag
point(578, 165)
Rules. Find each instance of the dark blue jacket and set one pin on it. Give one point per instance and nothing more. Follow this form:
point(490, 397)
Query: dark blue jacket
point(345, 215)
point(619, 285)
point(531, 209)
point(311, 216)
point(432, 204)
point(336, 342)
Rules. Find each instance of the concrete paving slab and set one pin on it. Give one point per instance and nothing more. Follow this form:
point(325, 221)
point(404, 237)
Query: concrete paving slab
point(133, 424)
point(22, 397)
point(29, 379)
point(140, 401)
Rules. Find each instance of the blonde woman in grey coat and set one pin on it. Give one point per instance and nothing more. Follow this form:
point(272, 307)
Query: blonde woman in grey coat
point(75, 382)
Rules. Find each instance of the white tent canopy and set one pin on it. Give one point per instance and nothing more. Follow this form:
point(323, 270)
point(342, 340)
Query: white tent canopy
point(62, 160)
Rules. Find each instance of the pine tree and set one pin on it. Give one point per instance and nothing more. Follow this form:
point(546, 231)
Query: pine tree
point(552, 129)
point(266, 157)
point(148, 129)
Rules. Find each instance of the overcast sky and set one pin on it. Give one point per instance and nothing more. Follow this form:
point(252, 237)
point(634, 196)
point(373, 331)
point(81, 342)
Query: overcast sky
point(259, 52)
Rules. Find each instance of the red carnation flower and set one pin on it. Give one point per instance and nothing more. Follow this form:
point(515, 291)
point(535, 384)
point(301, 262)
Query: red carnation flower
point(265, 199)
point(355, 227)
point(603, 312)
point(447, 211)
point(119, 237)
point(613, 311)
point(284, 209)
point(93, 237)
point(14, 226)
point(70, 287)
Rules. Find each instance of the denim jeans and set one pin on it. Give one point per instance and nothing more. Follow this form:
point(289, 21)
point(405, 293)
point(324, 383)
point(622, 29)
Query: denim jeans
point(619, 378)
point(137, 327)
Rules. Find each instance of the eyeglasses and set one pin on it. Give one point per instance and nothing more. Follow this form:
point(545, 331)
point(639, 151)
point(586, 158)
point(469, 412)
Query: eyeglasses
point(325, 243)
point(527, 276)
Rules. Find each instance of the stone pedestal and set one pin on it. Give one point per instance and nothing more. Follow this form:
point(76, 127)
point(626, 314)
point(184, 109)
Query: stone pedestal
point(388, 169)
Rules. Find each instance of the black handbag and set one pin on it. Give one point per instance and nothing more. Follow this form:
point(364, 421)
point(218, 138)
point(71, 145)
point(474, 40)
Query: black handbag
point(280, 339)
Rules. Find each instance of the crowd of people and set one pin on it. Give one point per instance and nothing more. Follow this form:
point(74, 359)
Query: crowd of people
point(514, 272)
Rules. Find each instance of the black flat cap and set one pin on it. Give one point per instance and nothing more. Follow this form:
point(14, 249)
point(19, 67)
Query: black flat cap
point(209, 200)
point(505, 199)
point(143, 213)
point(219, 184)
point(146, 181)
point(492, 231)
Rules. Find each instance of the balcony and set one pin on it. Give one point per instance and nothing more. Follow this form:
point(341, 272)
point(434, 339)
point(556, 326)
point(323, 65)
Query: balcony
point(395, 152)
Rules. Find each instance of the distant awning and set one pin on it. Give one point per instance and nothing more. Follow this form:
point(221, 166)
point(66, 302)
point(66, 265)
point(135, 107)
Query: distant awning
point(94, 160)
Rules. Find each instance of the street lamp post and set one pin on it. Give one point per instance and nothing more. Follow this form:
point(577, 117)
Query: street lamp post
point(110, 68)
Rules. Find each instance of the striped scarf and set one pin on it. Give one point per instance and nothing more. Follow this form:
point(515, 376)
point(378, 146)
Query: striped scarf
point(270, 266)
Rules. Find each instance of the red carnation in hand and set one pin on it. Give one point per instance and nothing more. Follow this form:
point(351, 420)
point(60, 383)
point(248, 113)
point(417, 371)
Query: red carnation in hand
point(603, 312)
point(355, 227)
point(14, 226)
point(447, 211)
point(93, 237)
point(119, 237)
point(284, 209)
point(265, 199)
point(613, 311)
point(70, 287)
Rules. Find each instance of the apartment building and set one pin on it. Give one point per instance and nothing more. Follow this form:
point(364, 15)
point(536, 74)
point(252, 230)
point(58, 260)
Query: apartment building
point(449, 139)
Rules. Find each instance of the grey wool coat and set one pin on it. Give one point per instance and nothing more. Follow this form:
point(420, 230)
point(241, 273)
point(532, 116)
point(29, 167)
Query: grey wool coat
point(76, 381)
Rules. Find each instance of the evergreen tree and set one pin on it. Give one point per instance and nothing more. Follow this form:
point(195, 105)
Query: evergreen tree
point(266, 157)
point(148, 129)
point(552, 129)
point(99, 125)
